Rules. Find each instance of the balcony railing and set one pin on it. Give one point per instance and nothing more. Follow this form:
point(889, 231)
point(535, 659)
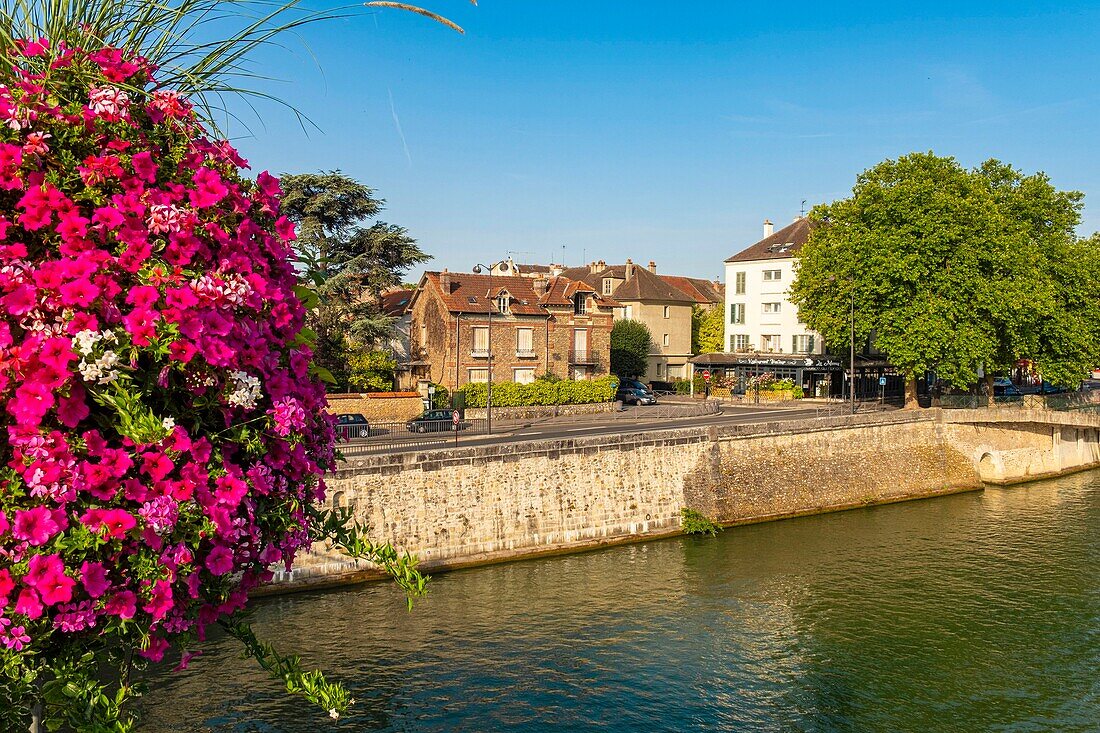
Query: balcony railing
point(525, 354)
point(589, 358)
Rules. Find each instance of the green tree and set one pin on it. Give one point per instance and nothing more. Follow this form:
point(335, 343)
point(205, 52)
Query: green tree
point(707, 329)
point(352, 262)
point(630, 344)
point(371, 370)
point(952, 270)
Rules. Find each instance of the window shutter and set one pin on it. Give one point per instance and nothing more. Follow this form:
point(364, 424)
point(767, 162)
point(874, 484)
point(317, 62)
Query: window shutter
point(810, 344)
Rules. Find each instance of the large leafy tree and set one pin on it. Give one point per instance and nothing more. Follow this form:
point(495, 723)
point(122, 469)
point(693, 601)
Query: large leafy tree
point(707, 329)
point(352, 260)
point(630, 344)
point(953, 271)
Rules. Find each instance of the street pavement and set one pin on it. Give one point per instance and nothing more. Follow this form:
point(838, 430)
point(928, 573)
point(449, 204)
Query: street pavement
point(630, 420)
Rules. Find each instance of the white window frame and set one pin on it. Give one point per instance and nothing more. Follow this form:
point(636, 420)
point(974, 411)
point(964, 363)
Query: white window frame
point(608, 286)
point(771, 276)
point(737, 313)
point(665, 341)
point(771, 308)
point(771, 343)
point(523, 349)
point(739, 342)
point(503, 306)
point(527, 372)
point(482, 375)
point(668, 311)
point(475, 332)
point(802, 343)
point(628, 312)
point(580, 304)
point(739, 283)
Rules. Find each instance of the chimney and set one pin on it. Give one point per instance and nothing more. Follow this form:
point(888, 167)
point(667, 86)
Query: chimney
point(602, 265)
point(629, 268)
point(593, 267)
point(768, 228)
point(445, 281)
point(540, 286)
point(653, 267)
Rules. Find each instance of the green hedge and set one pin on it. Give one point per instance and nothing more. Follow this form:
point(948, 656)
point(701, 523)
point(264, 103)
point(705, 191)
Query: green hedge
point(542, 392)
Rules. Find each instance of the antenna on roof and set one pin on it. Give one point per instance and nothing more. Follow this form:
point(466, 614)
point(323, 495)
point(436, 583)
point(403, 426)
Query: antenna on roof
point(516, 252)
point(802, 212)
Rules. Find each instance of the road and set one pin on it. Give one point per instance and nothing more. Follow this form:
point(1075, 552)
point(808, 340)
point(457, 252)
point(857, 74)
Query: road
point(631, 420)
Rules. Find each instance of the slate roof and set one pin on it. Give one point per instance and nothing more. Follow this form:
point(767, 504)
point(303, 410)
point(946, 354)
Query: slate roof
point(396, 302)
point(643, 286)
point(470, 293)
point(775, 246)
point(701, 290)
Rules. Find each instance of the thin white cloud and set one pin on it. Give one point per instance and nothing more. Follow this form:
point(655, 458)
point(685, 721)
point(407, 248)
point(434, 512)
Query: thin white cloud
point(397, 125)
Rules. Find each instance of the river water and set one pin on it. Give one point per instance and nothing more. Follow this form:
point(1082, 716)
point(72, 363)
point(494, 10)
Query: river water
point(972, 612)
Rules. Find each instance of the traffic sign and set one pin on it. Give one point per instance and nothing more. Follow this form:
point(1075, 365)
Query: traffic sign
point(882, 381)
point(706, 375)
point(454, 417)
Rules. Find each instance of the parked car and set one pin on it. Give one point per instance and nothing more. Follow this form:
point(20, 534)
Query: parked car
point(1003, 387)
point(434, 421)
point(634, 396)
point(352, 425)
point(1048, 388)
point(634, 384)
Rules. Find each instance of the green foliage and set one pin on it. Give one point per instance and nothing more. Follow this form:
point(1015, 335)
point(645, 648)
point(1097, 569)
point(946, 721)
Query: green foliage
point(954, 269)
point(630, 345)
point(349, 262)
point(693, 522)
point(707, 329)
point(542, 392)
point(442, 397)
point(371, 370)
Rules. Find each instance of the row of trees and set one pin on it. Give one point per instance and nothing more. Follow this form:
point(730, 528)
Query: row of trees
point(961, 272)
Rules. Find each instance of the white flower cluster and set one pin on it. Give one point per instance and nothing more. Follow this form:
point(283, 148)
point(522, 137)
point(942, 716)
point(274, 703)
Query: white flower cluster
point(245, 390)
point(228, 288)
point(100, 370)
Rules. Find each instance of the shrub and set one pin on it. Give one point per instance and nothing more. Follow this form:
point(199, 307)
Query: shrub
point(693, 522)
point(542, 392)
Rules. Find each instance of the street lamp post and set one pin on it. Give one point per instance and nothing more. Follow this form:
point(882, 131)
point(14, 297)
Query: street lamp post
point(852, 344)
point(853, 352)
point(489, 390)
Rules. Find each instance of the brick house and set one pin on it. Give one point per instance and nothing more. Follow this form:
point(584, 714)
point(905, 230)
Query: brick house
point(539, 325)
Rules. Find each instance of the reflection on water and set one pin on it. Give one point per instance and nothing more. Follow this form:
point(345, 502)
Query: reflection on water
point(973, 612)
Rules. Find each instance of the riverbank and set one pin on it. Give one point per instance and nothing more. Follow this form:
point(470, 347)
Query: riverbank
point(471, 506)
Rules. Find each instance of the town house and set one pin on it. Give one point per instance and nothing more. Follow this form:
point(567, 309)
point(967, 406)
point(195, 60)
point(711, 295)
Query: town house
point(662, 303)
point(538, 325)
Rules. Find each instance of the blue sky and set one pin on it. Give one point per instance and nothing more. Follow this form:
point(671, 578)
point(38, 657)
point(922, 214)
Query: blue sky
point(669, 131)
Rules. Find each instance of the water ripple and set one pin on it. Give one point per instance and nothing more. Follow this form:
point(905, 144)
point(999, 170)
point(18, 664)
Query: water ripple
point(975, 612)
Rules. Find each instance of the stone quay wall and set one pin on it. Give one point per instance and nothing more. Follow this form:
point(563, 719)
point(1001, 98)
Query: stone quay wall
point(455, 507)
point(540, 411)
point(378, 406)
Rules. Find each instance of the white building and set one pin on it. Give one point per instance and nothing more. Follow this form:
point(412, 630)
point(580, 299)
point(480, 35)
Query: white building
point(759, 315)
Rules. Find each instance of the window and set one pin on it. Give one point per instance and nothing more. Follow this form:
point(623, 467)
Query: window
point(502, 303)
point(481, 341)
point(664, 341)
point(772, 275)
point(525, 342)
point(629, 311)
point(479, 376)
point(737, 312)
point(668, 311)
point(580, 304)
point(739, 342)
point(607, 286)
point(771, 344)
point(803, 344)
point(739, 283)
point(772, 307)
point(523, 376)
point(660, 369)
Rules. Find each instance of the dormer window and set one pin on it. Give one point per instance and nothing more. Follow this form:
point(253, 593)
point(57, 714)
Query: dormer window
point(607, 285)
point(580, 304)
point(503, 303)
